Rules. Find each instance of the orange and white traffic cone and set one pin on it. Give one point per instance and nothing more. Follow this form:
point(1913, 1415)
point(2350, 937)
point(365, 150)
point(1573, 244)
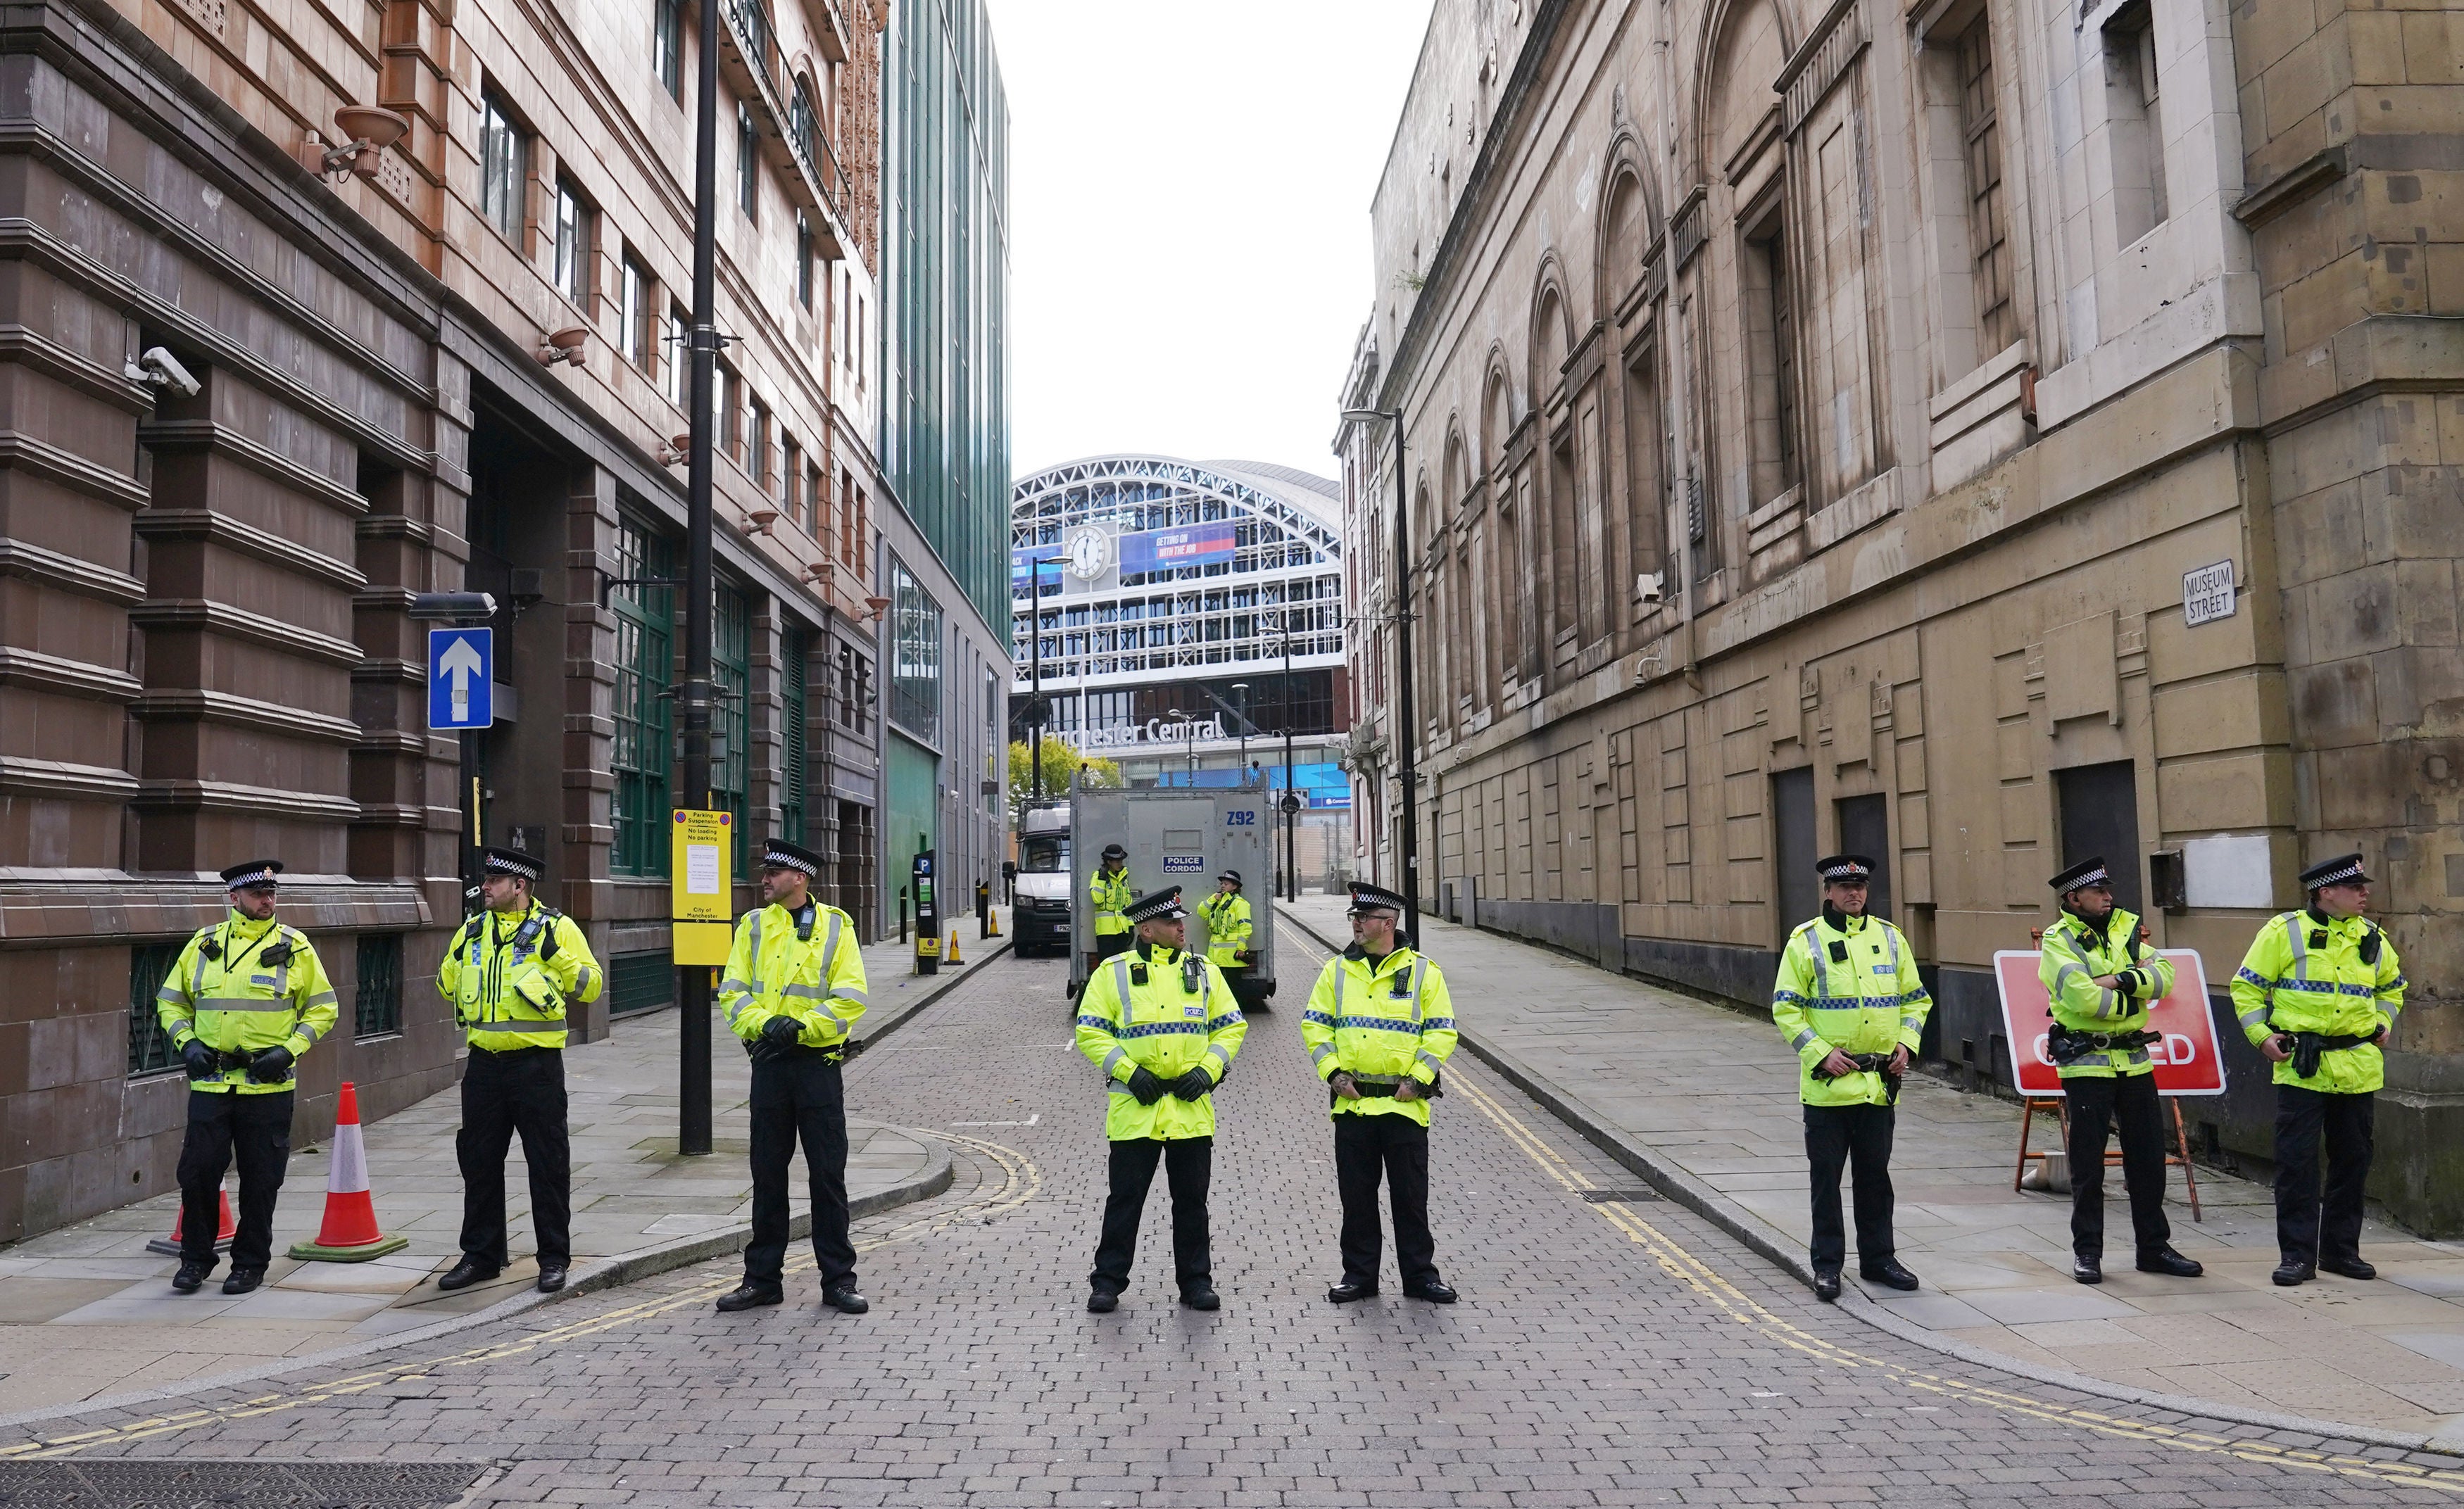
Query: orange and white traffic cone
point(350, 1232)
point(222, 1238)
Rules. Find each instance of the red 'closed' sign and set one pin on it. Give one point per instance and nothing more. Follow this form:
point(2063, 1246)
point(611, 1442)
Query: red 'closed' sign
point(2189, 1061)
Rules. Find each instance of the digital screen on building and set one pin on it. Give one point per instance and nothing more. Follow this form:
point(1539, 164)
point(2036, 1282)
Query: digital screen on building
point(1021, 561)
point(1172, 549)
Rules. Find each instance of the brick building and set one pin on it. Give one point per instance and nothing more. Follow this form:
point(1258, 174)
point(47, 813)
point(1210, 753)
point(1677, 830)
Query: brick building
point(1975, 434)
point(207, 654)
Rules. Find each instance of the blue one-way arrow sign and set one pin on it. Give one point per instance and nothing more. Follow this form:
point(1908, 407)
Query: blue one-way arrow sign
point(461, 670)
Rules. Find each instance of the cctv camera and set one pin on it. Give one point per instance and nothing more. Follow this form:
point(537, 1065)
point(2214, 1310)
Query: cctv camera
point(1647, 586)
point(163, 369)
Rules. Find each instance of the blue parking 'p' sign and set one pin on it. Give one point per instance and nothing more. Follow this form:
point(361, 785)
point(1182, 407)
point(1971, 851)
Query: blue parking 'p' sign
point(461, 678)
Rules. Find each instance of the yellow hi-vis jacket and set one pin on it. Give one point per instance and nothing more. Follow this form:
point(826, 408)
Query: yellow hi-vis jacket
point(1381, 1021)
point(1848, 983)
point(1228, 928)
point(1111, 895)
point(806, 967)
point(509, 977)
point(2305, 972)
point(2074, 953)
point(1142, 1010)
point(224, 992)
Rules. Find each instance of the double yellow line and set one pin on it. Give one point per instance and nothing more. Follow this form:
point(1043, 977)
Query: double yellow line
point(1020, 1182)
point(1743, 1309)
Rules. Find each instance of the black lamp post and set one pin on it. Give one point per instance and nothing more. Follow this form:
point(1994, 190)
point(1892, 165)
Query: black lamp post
point(1037, 716)
point(1405, 742)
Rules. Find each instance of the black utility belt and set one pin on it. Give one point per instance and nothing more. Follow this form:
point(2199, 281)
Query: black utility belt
point(1866, 1062)
point(1369, 1091)
point(798, 1052)
point(2068, 1044)
point(2308, 1046)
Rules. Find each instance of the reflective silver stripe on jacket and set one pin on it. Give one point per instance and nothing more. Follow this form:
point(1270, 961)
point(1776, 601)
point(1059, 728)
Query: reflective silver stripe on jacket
point(1811, 933)
point(584, 979)
point(248, 1003)
point(1217, 1052)
point(517, 1024)
point(850, 992)
point(1112, 1060)
point(808, 992)
point(1318, 1054)
point(1802, 1038)
point(308, 1031)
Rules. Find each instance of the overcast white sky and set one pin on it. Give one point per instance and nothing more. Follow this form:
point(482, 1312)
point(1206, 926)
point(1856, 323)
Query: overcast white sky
point(1189, 218)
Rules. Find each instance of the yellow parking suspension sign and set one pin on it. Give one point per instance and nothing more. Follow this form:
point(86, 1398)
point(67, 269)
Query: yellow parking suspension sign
point(701, 844)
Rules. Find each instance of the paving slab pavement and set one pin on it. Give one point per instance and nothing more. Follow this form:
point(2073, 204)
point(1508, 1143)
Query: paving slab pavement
point(87, 1312)
point(1703, 1099)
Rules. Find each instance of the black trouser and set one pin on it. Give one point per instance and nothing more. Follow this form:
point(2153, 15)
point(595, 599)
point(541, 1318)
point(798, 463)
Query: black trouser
point(2305, 1232)
point(221, 1123)
point(1248, 993)
point(1858, 1137)
point(519, 1090)
point(799, 1095)
point(2129, 1105)
point(1367, 1144)
point(1188, 1167)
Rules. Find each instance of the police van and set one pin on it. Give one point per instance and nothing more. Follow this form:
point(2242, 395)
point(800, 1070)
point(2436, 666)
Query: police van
point(1040, 911)
point(1175, 835)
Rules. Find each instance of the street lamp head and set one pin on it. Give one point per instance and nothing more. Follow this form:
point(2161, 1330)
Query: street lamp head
point(446, 607)
point(1364, 415)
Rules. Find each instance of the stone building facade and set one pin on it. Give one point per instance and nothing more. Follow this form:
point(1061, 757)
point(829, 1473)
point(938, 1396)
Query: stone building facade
point(1976, 434)
point(205, 654)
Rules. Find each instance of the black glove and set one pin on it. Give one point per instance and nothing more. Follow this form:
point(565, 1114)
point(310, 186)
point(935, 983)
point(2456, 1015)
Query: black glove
point(1146, 1086)
point(199, 1058)
point(272, 1066)
point(1192, 1085)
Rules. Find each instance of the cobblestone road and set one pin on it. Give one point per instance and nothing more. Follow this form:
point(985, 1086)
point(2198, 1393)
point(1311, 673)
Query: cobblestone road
point(1606, 1353)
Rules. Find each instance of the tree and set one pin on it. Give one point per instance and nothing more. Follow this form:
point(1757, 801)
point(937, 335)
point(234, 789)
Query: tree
point(1059, 758)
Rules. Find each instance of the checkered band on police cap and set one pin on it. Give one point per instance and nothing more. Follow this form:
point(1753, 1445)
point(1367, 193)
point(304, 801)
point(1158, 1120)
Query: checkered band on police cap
point(780, 855)
point(255, 872)
point(514, 862)
point(2081, 876)
point(1844, 867)
point(1366, 897)
point(2338, 871)
point(1160, 906)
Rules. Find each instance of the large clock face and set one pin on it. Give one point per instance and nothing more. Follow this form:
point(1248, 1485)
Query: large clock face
point(1090, 550)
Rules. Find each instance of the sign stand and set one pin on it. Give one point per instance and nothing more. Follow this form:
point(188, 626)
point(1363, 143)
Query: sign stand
point(2179, 1154)
point(2189, 1060)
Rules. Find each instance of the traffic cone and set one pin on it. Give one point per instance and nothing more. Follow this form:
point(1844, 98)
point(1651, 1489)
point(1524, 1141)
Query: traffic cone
point(350, 1232)
point(950, 948)
point(992, 924)
point(222, 1238)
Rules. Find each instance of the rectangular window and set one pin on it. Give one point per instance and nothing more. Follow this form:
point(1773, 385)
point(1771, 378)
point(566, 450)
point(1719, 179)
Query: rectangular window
point(149, 1047)
point(640, 982)
point(803, 260)
point(795, 654)
point(730, 660)
point(791, 480)
point(1987, 229)
point(503, 161)
point(916, 656)
point(2135, 122)
point(375, 1008)
point(645, 663)
point(728, 393)
point(817, 506)
point(1770, 349)
point(757, 447)
point(576, 224)
point(1645, 502)
point(678, 353)
point(637, 315)
point(668, 46)
point(847, 521)
point(748, 162)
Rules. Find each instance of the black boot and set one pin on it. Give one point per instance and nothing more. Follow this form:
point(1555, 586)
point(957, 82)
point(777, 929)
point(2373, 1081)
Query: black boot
point(2292, 1270)
point(191, 1278)
point(467, 1272)
point(1889, 1273)
point(1348, 1290)
point(845, 1300)
point(1826, 1284)
point(2171, 1264)
point(749, 1295)
point(2091, 1270)
point(243, 1279)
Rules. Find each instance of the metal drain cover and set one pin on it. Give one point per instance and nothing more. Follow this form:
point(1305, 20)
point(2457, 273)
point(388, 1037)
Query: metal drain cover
point(1595, 1197)
point(186, 1483)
